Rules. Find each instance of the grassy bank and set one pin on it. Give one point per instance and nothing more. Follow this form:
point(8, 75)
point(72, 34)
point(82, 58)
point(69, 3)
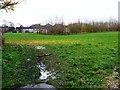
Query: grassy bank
point(83, 60)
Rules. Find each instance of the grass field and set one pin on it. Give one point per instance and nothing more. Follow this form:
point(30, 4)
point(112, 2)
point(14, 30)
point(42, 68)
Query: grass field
point(82, 60)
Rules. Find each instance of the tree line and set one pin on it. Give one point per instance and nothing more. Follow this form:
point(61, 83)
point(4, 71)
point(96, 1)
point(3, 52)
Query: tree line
point(80, 27)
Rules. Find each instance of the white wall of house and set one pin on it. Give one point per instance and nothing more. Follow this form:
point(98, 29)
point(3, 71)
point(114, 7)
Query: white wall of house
point(67, 30)
point(30, 30)
point(35, 30)
point(45, 31)
point(24, 30)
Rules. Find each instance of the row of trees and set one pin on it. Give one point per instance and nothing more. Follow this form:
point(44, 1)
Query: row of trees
point(80, 27)
point(93, 27)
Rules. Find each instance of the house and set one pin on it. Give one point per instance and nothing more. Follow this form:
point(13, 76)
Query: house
point(44, 29)
point(7, 29)
point(26, 29)
point(33, 29)
point(4, 29)
point(36, 27)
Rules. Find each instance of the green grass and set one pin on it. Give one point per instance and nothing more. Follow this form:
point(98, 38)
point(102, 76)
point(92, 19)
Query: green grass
point(82, 60)
point(33, 36)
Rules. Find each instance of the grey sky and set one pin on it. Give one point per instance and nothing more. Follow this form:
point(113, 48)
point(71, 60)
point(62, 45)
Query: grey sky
point(43, 11)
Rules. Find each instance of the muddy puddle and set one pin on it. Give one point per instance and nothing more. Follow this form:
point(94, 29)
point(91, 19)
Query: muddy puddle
point(44, 73)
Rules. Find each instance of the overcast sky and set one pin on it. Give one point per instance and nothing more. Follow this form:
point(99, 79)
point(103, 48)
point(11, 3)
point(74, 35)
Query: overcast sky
point(43, 11)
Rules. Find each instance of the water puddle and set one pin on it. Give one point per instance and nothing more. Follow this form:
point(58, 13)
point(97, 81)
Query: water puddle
point(39, 47)
point(45, 73)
